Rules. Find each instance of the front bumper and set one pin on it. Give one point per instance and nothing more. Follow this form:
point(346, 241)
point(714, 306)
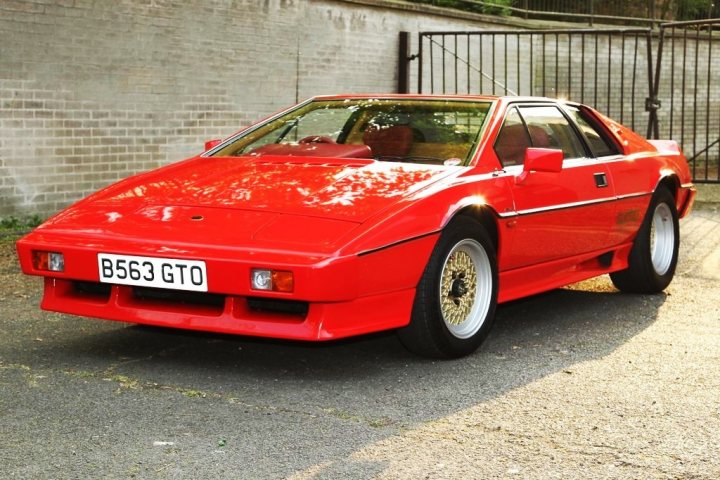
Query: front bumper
point(335, 297)
point(235, 314)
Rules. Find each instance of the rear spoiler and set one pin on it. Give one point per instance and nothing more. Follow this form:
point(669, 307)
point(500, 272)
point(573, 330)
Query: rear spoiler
point(666, 146)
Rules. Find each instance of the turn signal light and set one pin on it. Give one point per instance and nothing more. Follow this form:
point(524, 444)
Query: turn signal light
point(282, 281)
point(272, 280)
point(48, 261)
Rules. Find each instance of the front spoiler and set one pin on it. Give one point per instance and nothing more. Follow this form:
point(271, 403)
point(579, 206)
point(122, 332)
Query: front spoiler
point(324, 321)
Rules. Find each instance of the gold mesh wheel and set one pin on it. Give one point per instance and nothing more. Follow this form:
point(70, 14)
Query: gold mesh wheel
point(465, 288)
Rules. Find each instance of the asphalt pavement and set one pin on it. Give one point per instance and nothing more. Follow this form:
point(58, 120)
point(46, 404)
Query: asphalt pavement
point(581, 382)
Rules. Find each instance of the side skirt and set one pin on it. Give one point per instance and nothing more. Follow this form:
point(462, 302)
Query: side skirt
point(526, 281)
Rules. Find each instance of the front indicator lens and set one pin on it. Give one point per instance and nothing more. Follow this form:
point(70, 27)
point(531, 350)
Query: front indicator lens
point(272, 280)
point(282, 281)
point(48, 261)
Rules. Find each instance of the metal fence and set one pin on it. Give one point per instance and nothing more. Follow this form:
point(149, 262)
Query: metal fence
point(687, 83)
point(644, 11)
point(677, 97)
point(641, 12)
point(610, 69)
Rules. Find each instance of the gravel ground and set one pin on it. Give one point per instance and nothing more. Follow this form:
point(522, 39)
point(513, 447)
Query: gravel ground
point(582, 382)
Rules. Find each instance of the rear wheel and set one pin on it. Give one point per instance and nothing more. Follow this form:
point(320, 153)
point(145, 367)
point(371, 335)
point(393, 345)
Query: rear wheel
point(456, 298)
point(653, 258)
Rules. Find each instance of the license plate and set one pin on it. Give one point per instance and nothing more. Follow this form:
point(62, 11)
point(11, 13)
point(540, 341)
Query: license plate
point(153, 272)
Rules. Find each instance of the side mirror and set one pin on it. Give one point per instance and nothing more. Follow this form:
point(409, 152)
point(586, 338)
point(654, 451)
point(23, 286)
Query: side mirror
point(541, 160)
point(212, 144)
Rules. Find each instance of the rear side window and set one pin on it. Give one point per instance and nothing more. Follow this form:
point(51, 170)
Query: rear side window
point(600, 145)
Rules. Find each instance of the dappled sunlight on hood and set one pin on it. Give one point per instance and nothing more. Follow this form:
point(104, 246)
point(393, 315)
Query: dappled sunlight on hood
point(375, 179)
point(333, 188)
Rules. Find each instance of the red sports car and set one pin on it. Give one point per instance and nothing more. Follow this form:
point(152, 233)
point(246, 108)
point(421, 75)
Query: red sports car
point(345, 215)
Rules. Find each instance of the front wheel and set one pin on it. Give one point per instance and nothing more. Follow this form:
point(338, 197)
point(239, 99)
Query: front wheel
point(456, 298)
point(654, 255)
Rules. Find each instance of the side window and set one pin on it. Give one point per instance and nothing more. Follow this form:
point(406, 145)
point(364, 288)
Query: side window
point(599, 144)
point(549, 128)
point(512, 140)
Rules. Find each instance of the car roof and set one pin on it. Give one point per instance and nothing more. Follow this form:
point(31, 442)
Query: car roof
point(422, 96)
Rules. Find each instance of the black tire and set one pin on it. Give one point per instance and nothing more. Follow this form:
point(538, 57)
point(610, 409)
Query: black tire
point(458, 326)
point(652, 263)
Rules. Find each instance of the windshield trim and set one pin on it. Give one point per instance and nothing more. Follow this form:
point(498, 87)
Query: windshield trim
point(479, 142)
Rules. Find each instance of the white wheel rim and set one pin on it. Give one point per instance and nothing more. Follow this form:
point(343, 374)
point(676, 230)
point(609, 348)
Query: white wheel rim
point(662, 239)
point(465, 288)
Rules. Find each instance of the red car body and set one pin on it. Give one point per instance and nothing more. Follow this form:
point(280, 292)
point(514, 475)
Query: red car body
point(356, 233)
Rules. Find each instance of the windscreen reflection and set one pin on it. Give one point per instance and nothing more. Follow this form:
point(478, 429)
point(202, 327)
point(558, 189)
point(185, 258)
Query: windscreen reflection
point(433, 132)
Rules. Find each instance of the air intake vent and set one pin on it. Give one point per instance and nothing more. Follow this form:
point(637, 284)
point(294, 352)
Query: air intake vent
point(272, 305)
point(181, 297)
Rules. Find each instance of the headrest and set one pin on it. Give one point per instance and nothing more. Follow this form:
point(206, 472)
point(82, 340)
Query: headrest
point(391, 141)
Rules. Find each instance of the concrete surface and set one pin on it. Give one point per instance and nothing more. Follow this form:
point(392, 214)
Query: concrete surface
point(708, 194)
point(582, 382)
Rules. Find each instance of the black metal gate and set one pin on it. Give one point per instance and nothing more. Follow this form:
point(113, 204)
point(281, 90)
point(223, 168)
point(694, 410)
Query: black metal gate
point(687, 83)
point(609, 69)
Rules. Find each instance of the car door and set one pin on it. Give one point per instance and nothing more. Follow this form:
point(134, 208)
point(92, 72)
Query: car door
point(629, 175)
point(557, 214)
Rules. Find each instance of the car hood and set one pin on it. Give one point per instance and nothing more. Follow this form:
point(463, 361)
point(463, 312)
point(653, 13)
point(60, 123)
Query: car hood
point(341, 189)
point(269, 203)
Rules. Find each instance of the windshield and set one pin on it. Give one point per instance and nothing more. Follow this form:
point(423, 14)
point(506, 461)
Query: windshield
point(406, 130)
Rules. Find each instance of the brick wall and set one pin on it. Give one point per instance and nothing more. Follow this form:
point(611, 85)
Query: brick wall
point(92, 91)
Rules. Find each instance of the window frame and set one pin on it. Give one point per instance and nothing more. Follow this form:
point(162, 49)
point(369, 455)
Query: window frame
point(508, 111)
point(585, 150)
point(560, 106)
point(596, 125)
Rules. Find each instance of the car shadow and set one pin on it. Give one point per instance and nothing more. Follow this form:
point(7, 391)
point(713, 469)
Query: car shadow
point(369, 388)
point(531, 338)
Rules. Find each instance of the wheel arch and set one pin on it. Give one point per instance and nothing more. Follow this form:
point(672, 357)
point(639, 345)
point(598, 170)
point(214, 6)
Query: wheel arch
point(431, 212)
point(484, 214)
point(670, 181)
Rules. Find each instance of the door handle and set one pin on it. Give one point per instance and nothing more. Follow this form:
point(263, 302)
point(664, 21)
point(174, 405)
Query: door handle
point(600, 180)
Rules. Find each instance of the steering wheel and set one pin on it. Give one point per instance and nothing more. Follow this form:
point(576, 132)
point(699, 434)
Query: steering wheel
point(316, 139)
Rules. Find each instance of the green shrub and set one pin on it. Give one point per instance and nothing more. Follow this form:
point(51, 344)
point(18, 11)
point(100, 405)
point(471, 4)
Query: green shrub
point(499, 7)
point(14, 224)
point(488, 7)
